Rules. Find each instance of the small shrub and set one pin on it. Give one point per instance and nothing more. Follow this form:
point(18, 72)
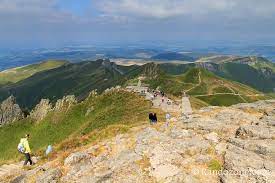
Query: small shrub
point(214, 165)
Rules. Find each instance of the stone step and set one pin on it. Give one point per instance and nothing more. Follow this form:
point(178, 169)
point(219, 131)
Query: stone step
point(12, 166)
point(4, 170)
point(186, 106)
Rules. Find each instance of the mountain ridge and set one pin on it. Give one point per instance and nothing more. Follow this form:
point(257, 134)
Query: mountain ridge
point(80, 78)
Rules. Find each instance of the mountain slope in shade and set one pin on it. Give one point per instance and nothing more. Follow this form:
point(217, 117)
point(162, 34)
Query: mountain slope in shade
point(77, 79)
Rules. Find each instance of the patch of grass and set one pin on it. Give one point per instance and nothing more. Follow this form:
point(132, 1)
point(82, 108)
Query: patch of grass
point(17, 74)
point(214, 165)
point(191, 76)
point(113, 108)
point(197, 104)
point(221, 100)
point(221, 89)
point(199, 90)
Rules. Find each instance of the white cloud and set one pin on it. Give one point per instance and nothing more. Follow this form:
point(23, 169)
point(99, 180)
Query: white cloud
point(172, 8)
point(20, 11)
point(39, 21)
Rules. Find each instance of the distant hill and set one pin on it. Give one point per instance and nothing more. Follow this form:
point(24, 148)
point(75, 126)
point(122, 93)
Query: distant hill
point(73, 78)
point(19, 73)
point(204, 85)
point(173, 56)
point(256, 72)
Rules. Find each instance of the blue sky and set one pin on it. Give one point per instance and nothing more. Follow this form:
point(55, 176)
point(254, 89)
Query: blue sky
point(51, 23)
point(78, 7)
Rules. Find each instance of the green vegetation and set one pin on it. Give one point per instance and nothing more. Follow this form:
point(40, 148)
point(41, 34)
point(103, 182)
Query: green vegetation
point(175, 69)
point(167, 83)
point(221, 100)
point(197, 103)
point(249, 75)
point(17, 74)
point(205, 88)
point(214, 165)
point(222, 89)
point(71, 79)
point(199, 90)
point(113, 108)
point(191, 76)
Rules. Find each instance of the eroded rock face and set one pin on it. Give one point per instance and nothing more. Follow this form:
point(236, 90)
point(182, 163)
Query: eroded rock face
point(77, 158)
point(49, 176)
point(10, 111)
point(65, 103)
point(41, 110)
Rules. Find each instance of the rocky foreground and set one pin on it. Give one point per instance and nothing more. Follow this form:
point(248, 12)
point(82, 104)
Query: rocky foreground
point(215, 144)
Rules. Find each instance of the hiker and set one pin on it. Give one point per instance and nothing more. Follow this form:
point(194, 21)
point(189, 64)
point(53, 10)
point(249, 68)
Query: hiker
point(49, 150)
point(151, 117)
point(155, 119)
point(23, 147)
point(167, 117)
point(162, 100)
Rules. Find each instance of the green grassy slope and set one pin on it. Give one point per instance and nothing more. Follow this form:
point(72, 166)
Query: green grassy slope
point(211, 89)
point(114, 108)
point(77, 79)
point(248, 75)
point(17, 74)
point(175, 69)
point(257, 72)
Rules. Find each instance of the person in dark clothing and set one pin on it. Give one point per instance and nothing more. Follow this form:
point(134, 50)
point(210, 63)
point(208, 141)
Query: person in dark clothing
point(151, 117)
point(28, 159)
point(155, 119)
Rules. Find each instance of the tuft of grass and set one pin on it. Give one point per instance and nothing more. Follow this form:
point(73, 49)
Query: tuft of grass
point(214, 165)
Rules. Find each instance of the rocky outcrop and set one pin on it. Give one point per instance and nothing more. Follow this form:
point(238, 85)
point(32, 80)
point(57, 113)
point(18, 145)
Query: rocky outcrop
point(151, 70)
point(77, 158)
point(213, 67)
point(10, 111)
point(41, 110)
point(50, 176)
point(44, 107)
point(65, 103)
point(111, 66)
